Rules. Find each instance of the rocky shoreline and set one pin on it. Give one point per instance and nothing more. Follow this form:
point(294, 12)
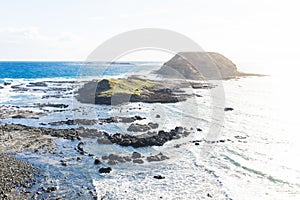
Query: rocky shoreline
point(19, 138)
point(15, 174)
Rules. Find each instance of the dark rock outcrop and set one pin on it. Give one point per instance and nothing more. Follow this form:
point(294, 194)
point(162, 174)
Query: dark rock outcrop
point(142, 127)
point(37, 84)
point(138, 127)
point(156, 158)
point(97, 161)
point(143, 141)
point(94, 121)
point(159, 177)
point(105, 170)
point(228, 109)
point(53, 105)
point(136, 155)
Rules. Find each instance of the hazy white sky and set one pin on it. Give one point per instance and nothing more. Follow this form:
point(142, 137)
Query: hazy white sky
point(258, 35)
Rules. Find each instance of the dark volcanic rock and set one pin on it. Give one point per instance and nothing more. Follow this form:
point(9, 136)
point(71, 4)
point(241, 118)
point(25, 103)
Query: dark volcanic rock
point(136, 155)
point(154, 140)
point(75, 122)
point(138, 161)
point(95, 121)
point(53, 105)
point(228, 109)
point(159, 177)
point(97, 161)
point(153, 125)
point(37, 84)
point(50, 189)
point(14, 172)
point(18, 116)
point(156, 158)
point(138, 127)
point(71, 133)
point(105, 170)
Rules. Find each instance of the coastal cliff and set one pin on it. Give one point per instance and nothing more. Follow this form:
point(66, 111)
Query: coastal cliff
point(199, 65)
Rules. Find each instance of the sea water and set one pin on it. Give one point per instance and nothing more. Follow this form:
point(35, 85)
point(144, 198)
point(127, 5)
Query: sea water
point(259, 160)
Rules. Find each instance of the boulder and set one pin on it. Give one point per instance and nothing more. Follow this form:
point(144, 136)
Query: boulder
point(228, 109)
point(97, 161)
point(136, 155)
point(105, 170)
point(159, 177)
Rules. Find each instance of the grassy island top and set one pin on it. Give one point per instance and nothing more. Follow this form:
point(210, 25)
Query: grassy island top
point(107, 87)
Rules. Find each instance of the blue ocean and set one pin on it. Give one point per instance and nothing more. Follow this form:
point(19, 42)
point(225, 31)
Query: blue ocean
point(258, 160)
point(33, 70)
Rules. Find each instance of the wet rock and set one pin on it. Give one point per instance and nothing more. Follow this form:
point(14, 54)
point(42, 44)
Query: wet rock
point(75, 122)
point(6, 83)
point(153, 125)
point(103, 140)
point(136, 155)
point(63, 162)
point(138, 128)
point(153, 140)
point(156, 158)
point(104, 157)
point(79, 146)
point(37, 84)
point(159, 177)
point(112, 162)
point(18, 116)
point(79, 158)
point(127, 158)
point(199, 85)
point(100, 121)
point(105, 170)
point(138, 161)
point(57, 96)
point(1, 87)
point(228, 109)
point(209, 195)
point(50, 189)
point(97, 161)
point(53, 105)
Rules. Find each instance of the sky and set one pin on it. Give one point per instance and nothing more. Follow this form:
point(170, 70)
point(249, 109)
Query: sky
point(257, 35)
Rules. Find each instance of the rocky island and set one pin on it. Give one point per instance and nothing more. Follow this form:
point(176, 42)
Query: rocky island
point(199, 66)
point(117, 91)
